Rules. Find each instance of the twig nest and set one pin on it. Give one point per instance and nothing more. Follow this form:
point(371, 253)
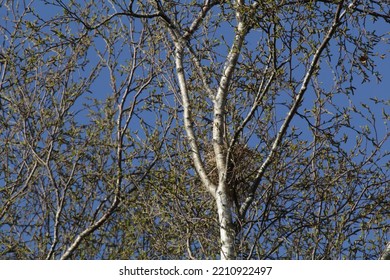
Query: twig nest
point(242, 167)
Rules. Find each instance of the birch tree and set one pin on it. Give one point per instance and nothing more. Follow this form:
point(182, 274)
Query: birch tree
point(252, 63)
point(229, 129)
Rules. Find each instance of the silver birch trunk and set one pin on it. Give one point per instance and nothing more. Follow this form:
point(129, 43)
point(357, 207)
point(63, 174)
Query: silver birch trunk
point(220, 193)
point(221, 147)
point(227, 234)
point(223, 201)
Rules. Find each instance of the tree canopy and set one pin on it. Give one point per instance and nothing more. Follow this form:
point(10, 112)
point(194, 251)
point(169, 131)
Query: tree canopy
point(193, 129)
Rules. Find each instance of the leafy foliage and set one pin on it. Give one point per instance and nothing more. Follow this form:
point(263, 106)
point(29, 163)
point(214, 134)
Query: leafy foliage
point(121, 123)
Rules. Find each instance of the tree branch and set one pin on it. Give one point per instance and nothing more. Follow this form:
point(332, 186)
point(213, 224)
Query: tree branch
point(298, 98)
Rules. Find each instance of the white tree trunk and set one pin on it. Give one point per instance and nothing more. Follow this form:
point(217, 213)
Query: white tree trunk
point(227, 235)
point(220, 192)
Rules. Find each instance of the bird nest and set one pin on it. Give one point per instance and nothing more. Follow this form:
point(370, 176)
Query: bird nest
point(242, 167)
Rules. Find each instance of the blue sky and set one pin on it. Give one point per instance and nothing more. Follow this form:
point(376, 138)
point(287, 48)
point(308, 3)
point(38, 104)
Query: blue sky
point(363, 93)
